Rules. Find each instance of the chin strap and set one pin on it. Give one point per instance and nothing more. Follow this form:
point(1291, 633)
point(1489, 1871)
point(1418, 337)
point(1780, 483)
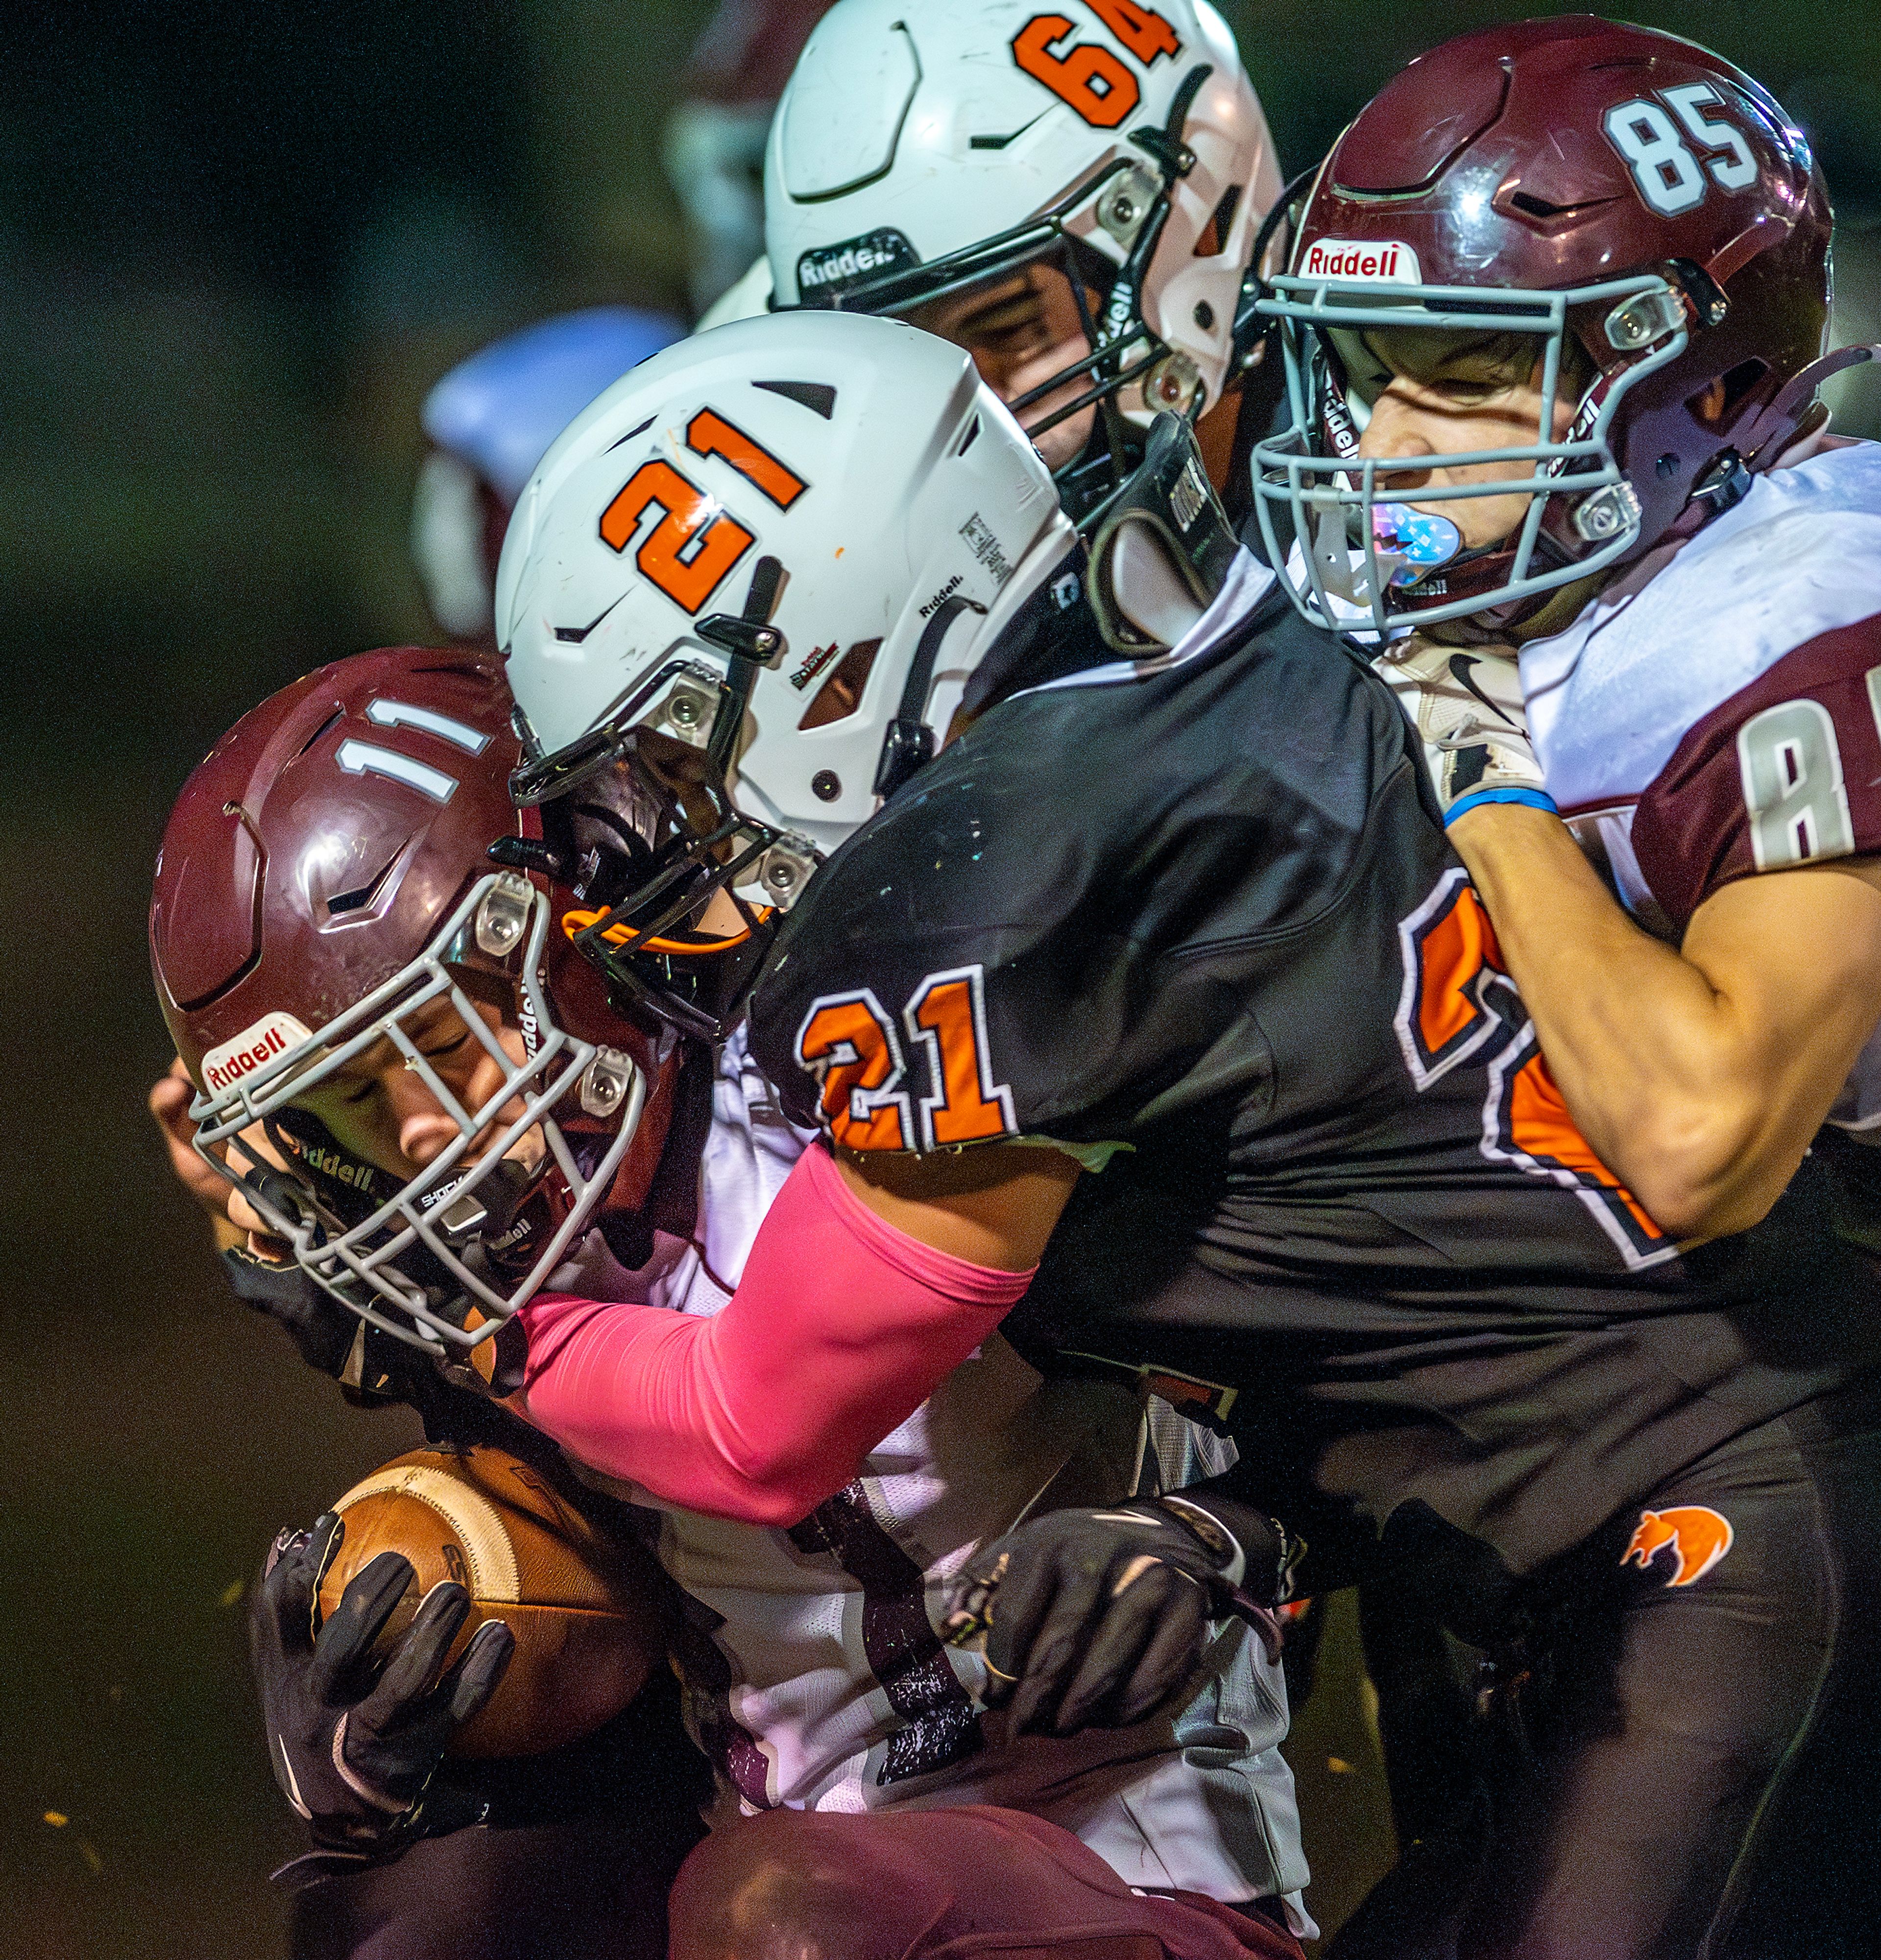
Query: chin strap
point(749, 642)
point(1251, 333)
point(910, 742)
point(1171, 496)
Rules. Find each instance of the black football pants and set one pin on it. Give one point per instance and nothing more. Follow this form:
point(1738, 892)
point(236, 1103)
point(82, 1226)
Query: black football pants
point(1684, 1759)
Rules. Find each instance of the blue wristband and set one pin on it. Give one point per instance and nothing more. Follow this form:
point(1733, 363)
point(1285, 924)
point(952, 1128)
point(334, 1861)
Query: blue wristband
point(1535, 799)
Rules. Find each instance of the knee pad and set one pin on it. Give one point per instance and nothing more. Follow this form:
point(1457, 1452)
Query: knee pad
point(789, 1885)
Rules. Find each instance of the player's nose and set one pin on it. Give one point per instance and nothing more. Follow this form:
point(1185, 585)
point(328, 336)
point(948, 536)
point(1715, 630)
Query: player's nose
point(425, 1135)
point(1391, 434)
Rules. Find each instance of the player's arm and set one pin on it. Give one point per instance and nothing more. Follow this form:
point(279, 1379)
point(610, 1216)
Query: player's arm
point(869, 1282)
point(1698, 1076)
point(995, 1206)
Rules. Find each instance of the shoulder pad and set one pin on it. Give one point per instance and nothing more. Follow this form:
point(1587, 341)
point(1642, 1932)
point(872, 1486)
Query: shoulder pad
point(1670, 642)
point(501, 410)
point(1052, 929)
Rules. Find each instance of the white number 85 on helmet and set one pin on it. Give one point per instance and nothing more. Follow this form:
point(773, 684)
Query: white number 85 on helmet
point(764, 566)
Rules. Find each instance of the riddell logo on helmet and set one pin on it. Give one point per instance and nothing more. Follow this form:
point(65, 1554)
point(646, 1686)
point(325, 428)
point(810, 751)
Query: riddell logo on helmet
point(254, 1047)
point(1385, 262)
point(836, 266)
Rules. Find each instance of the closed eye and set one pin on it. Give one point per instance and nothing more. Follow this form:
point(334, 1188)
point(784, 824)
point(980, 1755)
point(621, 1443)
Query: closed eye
point(1470, 394)
point(1014, 326)
point(352, 1097)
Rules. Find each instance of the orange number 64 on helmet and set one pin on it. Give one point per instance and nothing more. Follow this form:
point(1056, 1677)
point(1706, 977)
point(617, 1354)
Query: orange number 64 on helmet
point(1089, 78)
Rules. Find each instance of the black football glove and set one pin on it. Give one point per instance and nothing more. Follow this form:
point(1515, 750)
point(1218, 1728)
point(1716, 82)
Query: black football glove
point(370, 1366)
point(355, 1740)
point(1100, 1618)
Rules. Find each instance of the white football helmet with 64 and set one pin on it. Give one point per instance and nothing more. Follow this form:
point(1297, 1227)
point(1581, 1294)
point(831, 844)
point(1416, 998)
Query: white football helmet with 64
point(919, 154)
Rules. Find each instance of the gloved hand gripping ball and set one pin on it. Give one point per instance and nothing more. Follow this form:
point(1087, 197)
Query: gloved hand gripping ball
point(356, 1730)
point(586, 1610)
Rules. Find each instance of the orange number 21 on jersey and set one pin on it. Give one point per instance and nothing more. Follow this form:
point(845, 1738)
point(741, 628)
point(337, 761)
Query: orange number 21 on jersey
point(1459, 1005)
point(855, 1050)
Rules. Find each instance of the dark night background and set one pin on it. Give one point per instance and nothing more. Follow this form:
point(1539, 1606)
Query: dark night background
point(238, 242)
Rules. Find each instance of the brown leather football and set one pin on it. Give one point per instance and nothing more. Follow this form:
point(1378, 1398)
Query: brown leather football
point(588, 1611)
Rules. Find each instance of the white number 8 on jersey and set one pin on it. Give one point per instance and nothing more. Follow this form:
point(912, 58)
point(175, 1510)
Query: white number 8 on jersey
point(1792, 770)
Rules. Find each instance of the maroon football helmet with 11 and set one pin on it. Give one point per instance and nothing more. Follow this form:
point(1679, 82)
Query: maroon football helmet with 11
point(327, 885)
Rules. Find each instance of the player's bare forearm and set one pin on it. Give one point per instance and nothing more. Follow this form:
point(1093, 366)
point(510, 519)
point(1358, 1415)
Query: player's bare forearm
point(996, 1204)
point(1698, 1076)
point(1615, 1010)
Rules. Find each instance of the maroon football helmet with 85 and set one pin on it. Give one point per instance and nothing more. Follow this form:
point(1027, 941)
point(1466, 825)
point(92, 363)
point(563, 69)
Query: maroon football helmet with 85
point(326, 887)
point(1636, 210)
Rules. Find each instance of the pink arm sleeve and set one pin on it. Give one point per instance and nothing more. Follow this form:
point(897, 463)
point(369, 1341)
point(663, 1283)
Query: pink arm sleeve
point(841, 1327)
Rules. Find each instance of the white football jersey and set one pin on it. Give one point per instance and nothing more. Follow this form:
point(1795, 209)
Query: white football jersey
point(814, 1675)
point(1716, 712)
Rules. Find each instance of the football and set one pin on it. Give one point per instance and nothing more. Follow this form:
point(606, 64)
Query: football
point(587, 1610)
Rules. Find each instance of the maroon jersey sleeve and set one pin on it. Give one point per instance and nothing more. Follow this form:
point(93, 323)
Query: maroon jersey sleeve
point(1785, 772)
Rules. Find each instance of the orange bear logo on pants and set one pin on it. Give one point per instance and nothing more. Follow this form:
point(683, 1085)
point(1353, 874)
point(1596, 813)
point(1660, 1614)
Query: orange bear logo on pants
point(1699, 1537)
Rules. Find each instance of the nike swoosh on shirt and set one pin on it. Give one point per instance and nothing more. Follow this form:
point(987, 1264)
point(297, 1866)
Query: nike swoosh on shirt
point(1459, 667)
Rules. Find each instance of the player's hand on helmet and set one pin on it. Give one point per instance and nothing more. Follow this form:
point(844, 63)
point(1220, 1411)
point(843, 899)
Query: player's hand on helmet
point(261, 1269)
point(1465, 703)
point(171, 1096)
point(235, 1220)
point(355, 1737)
point(1101, 1619)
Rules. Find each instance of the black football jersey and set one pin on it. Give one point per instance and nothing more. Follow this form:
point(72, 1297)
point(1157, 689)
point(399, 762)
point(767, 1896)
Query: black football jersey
point(1198, 920)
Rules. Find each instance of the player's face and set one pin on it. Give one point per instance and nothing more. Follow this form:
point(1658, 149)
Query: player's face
point(379, 1107)
point(1021, 329)
point(1444, 393)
